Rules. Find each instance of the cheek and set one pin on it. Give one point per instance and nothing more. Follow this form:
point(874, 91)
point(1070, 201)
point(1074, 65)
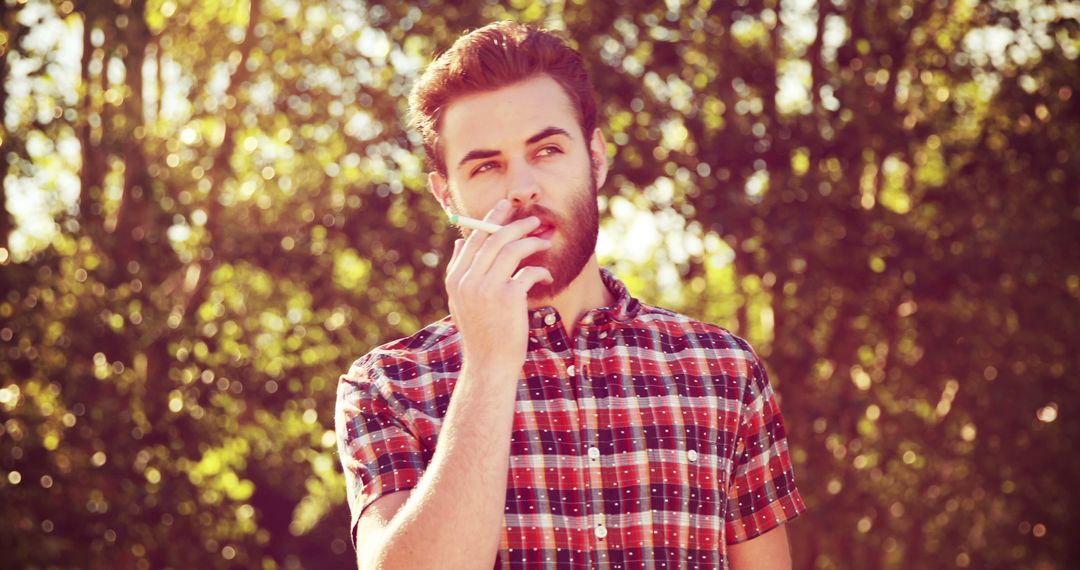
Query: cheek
point(475, 198)
point(561, 178)
point(579, 173)
point(484, 201)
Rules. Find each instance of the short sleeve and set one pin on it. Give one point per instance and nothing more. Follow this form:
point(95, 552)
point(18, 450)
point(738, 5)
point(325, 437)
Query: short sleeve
point(761, 493)
point(379, 453)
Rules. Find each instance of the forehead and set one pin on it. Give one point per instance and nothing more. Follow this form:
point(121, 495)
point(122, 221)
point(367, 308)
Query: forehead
point(506, 117)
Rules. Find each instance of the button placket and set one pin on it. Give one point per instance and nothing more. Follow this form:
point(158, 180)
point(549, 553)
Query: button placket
point(600, 528)
point(593, 466)
point(599, 524)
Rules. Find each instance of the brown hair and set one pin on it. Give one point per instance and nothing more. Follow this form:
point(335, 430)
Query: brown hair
point(489, 58)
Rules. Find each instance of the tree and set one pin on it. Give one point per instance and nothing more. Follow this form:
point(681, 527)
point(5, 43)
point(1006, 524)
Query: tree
point(879, 196)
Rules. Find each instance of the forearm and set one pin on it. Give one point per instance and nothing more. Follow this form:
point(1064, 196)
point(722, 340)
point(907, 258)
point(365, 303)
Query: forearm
point(453, 518)
point(769, 551)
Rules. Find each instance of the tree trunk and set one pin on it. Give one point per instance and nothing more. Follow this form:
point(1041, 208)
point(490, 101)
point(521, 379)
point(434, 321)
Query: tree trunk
point(16, 31)
point(92, 172)
point(133, 222)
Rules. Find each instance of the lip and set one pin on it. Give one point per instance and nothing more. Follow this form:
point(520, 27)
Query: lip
point(545, 231)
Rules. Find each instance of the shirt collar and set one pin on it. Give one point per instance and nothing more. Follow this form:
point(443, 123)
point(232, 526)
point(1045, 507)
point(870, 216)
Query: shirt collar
point(623, 309)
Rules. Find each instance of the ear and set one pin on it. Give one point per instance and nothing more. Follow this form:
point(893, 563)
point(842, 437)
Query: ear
point(598, 156)
point(438, 186)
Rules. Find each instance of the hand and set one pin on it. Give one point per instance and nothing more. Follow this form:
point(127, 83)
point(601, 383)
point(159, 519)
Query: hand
point(488, 298)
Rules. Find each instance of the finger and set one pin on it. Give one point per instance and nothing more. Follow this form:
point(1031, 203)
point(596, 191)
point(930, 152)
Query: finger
point(488, 251)
point(501, 213)
point(511, 255)
point(476, 238)
point(530, 275)
point(455, 261)
point(456, 256)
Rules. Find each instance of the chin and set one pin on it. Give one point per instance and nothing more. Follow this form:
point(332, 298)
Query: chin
point(566, 260)
point(544, 291)
point(562, 272)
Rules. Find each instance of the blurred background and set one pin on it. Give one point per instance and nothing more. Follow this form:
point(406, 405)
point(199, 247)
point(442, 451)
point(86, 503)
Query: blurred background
point(212, 208)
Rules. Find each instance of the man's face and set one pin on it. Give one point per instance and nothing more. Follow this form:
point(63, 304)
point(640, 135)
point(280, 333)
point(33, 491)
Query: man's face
point(524, 143)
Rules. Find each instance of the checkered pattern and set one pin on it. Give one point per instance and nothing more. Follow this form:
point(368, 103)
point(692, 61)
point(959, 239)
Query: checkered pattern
point(649, 440)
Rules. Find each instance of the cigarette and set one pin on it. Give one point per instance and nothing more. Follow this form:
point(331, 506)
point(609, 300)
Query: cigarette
point(474, 224)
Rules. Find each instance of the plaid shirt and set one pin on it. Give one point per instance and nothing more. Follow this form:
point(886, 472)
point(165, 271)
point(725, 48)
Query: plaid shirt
point(647, 440)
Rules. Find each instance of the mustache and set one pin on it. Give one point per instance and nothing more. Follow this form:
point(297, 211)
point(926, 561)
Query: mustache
point(546, 216)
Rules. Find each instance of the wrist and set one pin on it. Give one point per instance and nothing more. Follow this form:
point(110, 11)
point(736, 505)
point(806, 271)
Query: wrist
point(489, 371)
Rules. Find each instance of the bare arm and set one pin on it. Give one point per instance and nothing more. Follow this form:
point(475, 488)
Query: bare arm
point(453, 518)
point(768, 551)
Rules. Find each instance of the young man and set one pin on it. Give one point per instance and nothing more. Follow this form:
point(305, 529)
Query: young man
point(551, 420)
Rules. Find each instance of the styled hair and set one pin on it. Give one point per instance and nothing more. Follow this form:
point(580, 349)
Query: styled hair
point(489, 58)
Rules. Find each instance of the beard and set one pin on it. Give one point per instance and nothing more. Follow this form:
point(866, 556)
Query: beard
point(577, 233)
point(575, 241)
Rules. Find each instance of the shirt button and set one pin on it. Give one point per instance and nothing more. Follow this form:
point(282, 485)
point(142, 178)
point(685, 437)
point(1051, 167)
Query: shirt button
point(603, 334)
point(601, 531)
point(691, 455)
point(549, 319)
point(594, 453)
point(570, 370)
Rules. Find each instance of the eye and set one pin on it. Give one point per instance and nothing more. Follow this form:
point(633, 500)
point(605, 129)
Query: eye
point(484, 167)
point(549, 151)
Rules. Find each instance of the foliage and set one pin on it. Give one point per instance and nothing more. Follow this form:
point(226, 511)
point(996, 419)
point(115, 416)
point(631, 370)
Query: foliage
point(212, 207)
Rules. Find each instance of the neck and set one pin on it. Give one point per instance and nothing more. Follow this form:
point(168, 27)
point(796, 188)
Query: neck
point(584, 293)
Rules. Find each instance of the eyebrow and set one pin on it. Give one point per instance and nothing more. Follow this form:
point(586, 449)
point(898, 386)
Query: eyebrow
point(479, 154)
point(548, 132)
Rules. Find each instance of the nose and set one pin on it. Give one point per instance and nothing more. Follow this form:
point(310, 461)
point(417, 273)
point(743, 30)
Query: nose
point(524, 188)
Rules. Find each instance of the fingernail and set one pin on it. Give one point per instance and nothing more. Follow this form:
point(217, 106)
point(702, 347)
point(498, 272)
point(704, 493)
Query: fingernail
point(502, 204)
